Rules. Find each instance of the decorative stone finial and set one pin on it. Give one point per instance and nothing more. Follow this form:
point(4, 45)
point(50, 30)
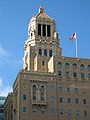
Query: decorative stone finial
point(41, 10)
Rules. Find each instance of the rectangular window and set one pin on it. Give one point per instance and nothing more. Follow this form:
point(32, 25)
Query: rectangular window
point(43, 62)
point(24, 97)
point(61, 100)
point(48, 30)
point(69, 100)
point(68, 90)
point(39, 29)
point(84, 101)
point(77, 100)
point(44, 30)
point(76, 90)
point(85, 113)
point(34, 97)
point(24, 109)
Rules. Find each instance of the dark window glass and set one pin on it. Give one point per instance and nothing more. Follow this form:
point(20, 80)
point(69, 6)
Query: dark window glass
point(43, 62)
point(59, 73)
point(34, 97)
point(61, 111)
point(88, 67)
point(77, 100)
point(48, 31)
point(40, 52)
point(24, 97)
point(45, 52)
point(68, 90)
point(44, 30)
point(74, 74)
point(82, 67)
point(89, 75)
point(85, 113)
point(39, 29)
point(61, 100)
point(50, 53)
point(69, 100)
point(82, 75)
point(84, 101)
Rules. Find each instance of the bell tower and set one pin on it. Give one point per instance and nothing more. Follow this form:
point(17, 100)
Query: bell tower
point(41, 49)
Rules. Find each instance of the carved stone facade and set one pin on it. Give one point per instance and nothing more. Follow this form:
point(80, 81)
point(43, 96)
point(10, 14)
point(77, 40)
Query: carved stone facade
point(50, 86)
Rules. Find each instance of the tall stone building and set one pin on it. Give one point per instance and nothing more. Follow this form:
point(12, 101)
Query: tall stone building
point(50, 86)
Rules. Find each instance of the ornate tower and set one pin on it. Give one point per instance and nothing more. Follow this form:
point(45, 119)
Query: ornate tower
point(40, 49)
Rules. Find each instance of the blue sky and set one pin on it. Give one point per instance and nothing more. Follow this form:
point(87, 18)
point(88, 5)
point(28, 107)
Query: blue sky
point(70, 16)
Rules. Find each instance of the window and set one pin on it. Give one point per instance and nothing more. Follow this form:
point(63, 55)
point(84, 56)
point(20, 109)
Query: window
point(59, 73)
point(24, 109)
point(69, 112)
point(89, 75)
point(50, 53)
point(42, 91)
point(44, 30)
point(61, 111)
point(67, 74)
point(78, 113)
point(42, 110)
point(48, 31)
point(24, 97)
point(74, 67)
point(34, 109)
point(76, 90)
point(84, 101)
point(60, 88)
point(82, 75)
point(52, 110)
point(45, 52)
point(59, 66)
point(39, 29)
point(40, 52)
point(67, 66)
point(61, 100)
point(43, 62)
point(77, 100)
point(88, 67)
point(34, 92)
point(69, 100)
point(68, 90)
point(52, 88)
point(85, 113)
point(82, 67)
point(74, 74)
point(52, 99)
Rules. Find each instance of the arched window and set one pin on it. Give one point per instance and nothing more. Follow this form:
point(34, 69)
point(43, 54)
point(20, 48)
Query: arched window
point(40, 52)
point(50, 53)
point(34, 92)
point(74, 67)
point(45, 52)
point(42, 95)
point(82, 67)
point(59, 66)
point(67, 66)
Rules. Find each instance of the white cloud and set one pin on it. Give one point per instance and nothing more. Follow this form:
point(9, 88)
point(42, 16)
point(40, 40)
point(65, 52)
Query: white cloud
point(4, 89)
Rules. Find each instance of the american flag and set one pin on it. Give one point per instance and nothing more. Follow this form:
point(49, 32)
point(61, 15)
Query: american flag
point(72, 37)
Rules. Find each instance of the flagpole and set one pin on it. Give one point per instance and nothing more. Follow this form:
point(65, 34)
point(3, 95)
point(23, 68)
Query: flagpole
point(76, 42)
